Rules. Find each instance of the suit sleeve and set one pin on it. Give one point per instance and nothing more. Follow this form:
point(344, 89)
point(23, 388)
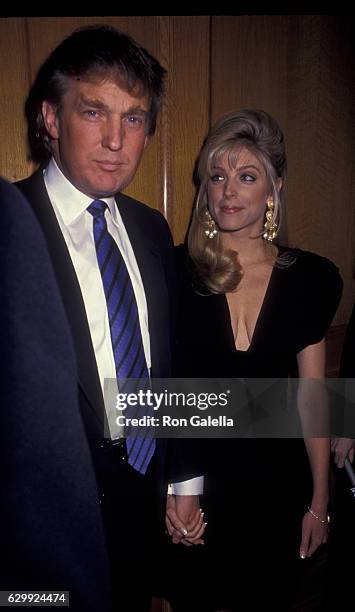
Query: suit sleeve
point(183, 458)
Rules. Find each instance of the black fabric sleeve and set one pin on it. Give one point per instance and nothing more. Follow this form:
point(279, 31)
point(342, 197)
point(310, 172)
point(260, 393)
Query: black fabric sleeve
point(320, 291)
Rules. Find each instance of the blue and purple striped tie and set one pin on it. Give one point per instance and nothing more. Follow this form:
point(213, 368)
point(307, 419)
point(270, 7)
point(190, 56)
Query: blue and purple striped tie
point(125, 330)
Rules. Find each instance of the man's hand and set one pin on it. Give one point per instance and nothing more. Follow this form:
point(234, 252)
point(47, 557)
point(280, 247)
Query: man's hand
point(184, 519)
point(342, 448)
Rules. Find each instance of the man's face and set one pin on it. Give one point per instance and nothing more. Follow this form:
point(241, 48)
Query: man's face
point(99, 134)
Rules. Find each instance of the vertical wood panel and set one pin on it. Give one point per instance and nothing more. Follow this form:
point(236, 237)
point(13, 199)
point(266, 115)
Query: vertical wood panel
point(320, 135)
point(185, 52)
point(249, 64)
point(14, 82)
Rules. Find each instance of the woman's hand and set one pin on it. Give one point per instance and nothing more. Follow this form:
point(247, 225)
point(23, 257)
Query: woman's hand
point(314, 533)
point(184, 520)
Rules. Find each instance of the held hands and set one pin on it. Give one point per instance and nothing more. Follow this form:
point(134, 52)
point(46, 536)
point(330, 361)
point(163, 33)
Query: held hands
point(342, 448)
point(184, 519)
point(314, 532)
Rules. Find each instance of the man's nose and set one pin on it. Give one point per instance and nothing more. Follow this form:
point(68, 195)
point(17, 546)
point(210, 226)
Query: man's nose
point(114, 135)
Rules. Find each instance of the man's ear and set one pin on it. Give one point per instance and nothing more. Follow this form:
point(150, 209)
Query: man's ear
point(49, 112)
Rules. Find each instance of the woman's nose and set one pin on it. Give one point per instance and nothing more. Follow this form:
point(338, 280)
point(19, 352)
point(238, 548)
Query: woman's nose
point(230, 188)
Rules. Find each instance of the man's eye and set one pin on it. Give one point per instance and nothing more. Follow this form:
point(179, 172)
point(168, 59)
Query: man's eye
point(134, 120)
point(91, 113)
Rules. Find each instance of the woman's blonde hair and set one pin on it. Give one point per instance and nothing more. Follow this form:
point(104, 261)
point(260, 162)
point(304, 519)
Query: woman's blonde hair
point(258, 132)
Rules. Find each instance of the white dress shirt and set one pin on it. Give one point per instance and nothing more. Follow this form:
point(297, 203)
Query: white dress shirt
point(76, 224)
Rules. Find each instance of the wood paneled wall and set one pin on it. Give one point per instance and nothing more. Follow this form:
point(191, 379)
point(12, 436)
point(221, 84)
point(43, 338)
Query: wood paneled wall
point(300, 68)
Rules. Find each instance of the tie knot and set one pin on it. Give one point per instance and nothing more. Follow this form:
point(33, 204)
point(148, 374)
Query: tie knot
point(97, 208)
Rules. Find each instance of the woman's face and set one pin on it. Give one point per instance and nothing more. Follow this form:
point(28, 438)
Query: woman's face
point(237, 195)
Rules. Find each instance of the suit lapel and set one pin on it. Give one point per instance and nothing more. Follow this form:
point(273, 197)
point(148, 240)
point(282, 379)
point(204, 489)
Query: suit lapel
point(88, 377)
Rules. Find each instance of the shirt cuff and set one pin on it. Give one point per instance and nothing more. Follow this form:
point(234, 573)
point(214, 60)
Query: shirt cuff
point(194, 486)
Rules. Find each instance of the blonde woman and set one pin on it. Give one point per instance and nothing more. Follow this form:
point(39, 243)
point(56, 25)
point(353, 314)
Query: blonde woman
point(253, 308)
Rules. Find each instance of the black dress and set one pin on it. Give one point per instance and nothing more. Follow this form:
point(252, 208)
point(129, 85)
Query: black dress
point(256, 490)
point(340, 574)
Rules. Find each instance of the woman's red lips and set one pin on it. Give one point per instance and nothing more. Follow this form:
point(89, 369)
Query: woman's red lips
point(231, 209)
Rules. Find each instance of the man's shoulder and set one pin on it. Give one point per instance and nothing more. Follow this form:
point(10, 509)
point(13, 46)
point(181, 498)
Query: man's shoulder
point(126, 202)
point(134, 211)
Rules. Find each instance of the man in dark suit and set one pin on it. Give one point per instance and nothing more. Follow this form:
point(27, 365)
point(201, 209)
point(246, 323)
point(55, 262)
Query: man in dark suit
point(91, 113)
point(48, 492)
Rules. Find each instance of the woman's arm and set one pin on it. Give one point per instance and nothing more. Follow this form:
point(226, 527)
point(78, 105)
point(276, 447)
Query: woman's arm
point(312, 406)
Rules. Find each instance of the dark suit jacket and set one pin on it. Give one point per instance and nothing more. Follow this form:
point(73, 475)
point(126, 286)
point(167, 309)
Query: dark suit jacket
point(152, 244)
point(48, 492)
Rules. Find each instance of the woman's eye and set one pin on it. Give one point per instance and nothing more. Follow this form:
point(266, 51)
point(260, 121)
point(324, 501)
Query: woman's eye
point(216, 178)
point(247, 178)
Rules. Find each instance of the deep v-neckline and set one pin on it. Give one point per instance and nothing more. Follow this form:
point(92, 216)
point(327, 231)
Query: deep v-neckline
point(259, 317)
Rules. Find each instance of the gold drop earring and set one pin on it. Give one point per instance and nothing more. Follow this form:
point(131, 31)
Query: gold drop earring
point(270, 227)
point(211, 230)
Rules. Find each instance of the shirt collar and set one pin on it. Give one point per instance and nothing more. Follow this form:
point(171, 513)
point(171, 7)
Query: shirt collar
point(69, 201)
